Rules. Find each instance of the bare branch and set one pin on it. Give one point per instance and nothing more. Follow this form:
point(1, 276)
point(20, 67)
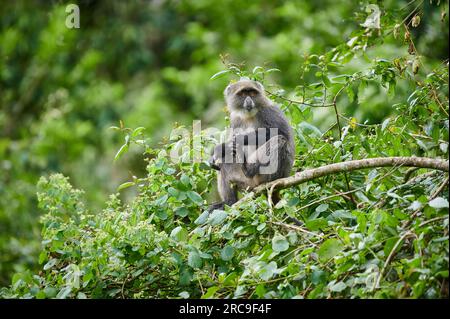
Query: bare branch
point(310, 174)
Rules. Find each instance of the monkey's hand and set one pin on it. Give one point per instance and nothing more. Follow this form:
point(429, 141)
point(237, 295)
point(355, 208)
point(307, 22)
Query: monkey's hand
point(217, 156)
point(237, 150)
point(213, 164)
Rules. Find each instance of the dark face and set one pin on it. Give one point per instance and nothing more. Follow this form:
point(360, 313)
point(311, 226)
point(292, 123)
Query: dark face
point(244, 96)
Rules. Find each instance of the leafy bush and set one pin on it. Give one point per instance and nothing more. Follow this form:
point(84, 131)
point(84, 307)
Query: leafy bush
point(393, 243)
point(163, 245)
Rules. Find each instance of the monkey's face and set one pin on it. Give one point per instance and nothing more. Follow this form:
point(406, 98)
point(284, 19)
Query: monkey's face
point(244, 97)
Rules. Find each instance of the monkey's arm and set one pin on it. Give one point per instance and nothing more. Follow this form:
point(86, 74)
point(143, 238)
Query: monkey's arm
point(252, 138)
point(242, 146)
point(266, 159)
point(218, 155)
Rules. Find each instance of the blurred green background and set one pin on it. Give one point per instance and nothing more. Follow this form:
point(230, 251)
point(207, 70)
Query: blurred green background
point(149, 64)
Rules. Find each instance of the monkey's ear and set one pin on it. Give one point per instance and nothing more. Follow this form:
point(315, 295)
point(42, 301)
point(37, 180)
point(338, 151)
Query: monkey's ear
point(261, 87)
point(227, 90)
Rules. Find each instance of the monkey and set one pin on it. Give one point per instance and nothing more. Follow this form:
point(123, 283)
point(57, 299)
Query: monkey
point(261, 147)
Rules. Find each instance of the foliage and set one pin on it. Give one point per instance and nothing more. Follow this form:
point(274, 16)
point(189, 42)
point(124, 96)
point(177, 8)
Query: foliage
point(380, 233)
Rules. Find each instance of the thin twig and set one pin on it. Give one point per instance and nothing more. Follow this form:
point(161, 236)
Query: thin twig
point(432, 220)
point(298, 228)
point(340, 138)
point(298, 102)
point(123, 286)
point(439, 189)
point(328, 197)
point(433, 196)
point(436, 98)
point(388, 260)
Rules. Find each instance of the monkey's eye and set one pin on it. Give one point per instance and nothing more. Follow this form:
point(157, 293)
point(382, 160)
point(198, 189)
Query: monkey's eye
point(248, 92)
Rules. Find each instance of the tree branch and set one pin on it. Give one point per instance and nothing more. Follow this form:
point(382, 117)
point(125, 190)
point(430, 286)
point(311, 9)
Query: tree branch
point(310, 174)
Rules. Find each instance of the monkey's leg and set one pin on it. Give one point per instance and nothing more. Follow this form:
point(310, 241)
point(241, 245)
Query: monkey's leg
point(219, 205)
point(265, 160)
point(222, 153)
point(227, 192)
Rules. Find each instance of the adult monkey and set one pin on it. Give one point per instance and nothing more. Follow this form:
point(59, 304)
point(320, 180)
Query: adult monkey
point(261, 147)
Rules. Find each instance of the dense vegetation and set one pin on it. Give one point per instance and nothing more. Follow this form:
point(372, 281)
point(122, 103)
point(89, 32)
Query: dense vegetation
point(357, 80)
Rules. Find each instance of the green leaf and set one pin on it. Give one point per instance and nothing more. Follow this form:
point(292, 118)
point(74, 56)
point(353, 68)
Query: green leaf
point(42, 257)
point(64, 292)
point(185, 276)
point(340, 214)
point(268, 271)
point(87, 277)
point(318, 277)
point(194, 259)
point(217, 217)
point(293, 201)
point(385, 124)
point(227, 253)
point(261, 226)
point(50, 292)
point(195, 197)
point(309, 129)
point(257, 69)
point(138, 131)
point(185, 180)
point(350, 94)
point(337, 287)
point(125, 185)
point(292, 238)
point(219, 74)
point(280, 243)
point(326, 81)
point(329, 249)
point(161, 200)
point(321, 208)
point(170, 171)
point(182, 211)
point(121, 151)
point(202, 218)
point(260, 291)
point(40, 295)
point(316, 224)
point(184, 294)
point(179, 234)
point(52, 262)
point(373, 19)
point(334, 64)
point(443, 274)
point(210, 292)
point(439, 202)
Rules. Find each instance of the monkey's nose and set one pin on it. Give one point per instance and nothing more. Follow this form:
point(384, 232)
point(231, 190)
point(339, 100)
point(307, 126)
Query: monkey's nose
point(248, 103)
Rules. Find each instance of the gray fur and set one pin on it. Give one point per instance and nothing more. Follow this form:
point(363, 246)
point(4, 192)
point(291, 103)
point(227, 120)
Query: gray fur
point(249, 162)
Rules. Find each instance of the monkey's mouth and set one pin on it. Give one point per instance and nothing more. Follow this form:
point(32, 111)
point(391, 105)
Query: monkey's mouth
point(247, 112)
point(248, 105)
point(250, 111)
